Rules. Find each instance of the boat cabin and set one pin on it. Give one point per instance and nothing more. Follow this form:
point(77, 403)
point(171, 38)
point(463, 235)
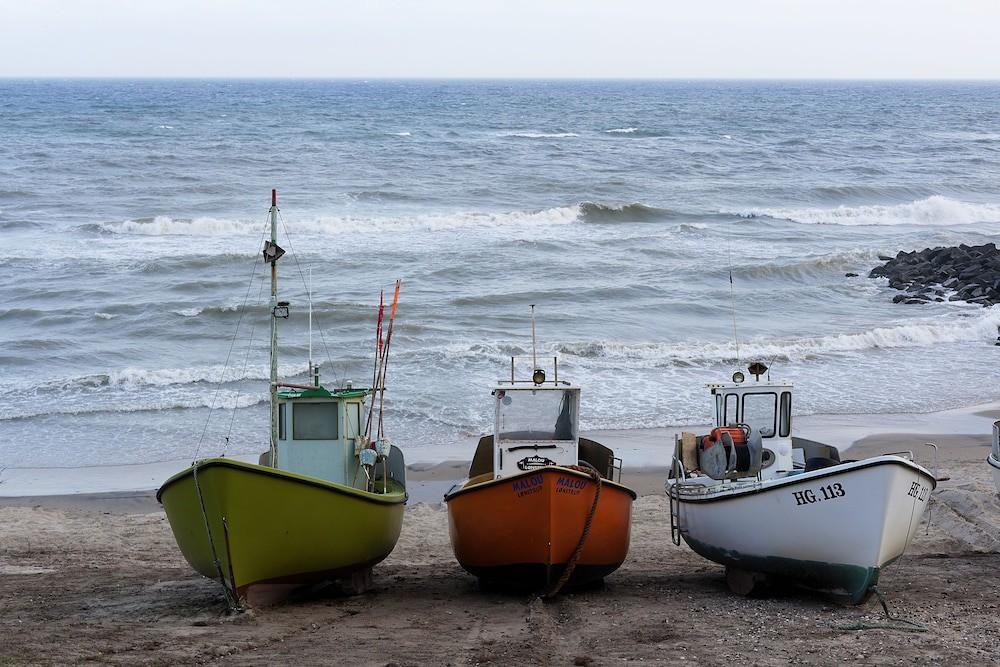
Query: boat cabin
point(766, 408)
point(536, 424)
point(321, 434)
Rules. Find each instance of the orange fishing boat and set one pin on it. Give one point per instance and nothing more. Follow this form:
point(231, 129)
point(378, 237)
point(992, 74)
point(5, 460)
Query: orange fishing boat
point(542, 508)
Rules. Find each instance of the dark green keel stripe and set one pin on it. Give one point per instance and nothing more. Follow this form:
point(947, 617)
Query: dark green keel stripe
point(851, 581)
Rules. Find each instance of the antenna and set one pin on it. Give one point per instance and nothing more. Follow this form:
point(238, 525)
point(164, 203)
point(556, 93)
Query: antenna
point(534, 357)
point(732, 298)
point(310, 295)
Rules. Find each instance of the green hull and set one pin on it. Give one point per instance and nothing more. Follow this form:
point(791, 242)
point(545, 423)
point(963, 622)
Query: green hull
point(257, 526)
point(853, 583)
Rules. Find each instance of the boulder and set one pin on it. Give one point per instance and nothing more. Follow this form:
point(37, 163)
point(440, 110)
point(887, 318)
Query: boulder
point(972, 272)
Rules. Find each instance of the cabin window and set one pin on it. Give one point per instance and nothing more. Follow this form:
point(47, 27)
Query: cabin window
point(718, 410)
point(785, 424)
point(281, 421)
point(537, 414)
point(315, 421)
point(731, 416)
point(760, 413)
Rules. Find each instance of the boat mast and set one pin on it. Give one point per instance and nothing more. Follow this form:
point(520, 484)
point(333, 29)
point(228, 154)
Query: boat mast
point(274, 330)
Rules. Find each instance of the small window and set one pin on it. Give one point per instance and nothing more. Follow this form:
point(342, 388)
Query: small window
point(718, 410)
point(281, 421)
point(315, 421)
point(785, 425)
point(760, 412)
point(731, 416)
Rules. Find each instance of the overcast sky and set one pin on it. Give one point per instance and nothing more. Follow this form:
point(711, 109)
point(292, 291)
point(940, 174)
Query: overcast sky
point(502, 38)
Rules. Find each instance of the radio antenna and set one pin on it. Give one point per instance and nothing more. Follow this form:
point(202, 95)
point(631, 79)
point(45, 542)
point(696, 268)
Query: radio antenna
point(534, 356)
point(310, 293)
point(732, 299)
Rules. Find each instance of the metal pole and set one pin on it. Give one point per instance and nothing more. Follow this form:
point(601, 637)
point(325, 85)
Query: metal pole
point(274, 333)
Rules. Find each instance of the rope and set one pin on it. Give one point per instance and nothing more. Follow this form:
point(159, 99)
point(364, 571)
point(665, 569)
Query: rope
point(246, 361)
point(232, 344)
point(231, 598)
point(894, 622)
point(571, 565)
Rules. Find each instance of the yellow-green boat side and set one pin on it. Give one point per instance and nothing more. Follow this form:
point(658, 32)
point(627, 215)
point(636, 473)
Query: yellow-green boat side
point(270, 526)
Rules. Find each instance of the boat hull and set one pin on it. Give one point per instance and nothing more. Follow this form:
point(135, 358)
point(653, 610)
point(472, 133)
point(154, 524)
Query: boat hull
point(522, 530)
point(272, 531)
point(831, 530)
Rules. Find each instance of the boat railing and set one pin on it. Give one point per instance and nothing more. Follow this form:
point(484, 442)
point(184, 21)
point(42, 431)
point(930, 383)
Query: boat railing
point(904, 454)
point(616, 469)
point(677, 473)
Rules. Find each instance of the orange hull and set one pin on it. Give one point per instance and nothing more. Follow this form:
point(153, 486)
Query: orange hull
point(522, 530)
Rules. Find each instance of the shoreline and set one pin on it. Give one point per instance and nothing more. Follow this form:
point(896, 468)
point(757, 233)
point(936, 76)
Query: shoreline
point(103, 573)
point(645, 453)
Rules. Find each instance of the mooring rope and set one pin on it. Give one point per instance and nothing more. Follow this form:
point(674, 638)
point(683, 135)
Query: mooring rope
point(894, 622)
point(571, 565)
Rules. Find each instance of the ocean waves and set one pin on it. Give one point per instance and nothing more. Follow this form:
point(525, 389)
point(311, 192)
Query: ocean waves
point(341, 225)
point(961, 328)
point(930, 211)
point(588, 212)
point(936, 210)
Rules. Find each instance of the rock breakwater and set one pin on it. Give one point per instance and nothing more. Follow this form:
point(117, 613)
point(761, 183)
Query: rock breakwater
point(958, 273)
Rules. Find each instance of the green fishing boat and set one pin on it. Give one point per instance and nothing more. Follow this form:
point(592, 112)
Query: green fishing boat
point(324, 502)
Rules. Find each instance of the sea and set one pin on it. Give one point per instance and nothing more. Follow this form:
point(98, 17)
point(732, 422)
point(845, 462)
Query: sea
point(666, 232)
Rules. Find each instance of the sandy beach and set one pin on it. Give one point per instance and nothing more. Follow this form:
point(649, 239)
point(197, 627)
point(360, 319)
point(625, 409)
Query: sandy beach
point(97, 578)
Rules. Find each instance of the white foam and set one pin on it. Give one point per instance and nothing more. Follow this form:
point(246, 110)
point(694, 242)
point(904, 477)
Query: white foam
point(188, 312)
point(539, 135)
point(162, 377)
point(936, 210)
point(163, 225)
point(622, 130)
point(952, 328)
point(401, 134)
point(335, 225)
point(104, 316)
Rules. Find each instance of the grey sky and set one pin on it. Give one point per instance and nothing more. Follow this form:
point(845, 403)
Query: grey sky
point(494, 38)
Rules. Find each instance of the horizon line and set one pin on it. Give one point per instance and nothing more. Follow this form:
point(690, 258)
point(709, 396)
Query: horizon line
point(117, 77)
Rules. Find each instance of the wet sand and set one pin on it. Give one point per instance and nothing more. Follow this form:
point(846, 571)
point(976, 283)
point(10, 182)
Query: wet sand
point(98, 579)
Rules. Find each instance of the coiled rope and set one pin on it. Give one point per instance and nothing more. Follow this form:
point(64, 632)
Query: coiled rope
point(571, 565)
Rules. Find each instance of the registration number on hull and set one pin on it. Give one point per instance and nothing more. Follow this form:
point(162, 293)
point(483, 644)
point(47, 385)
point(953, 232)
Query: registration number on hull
point(827, 492)
point(918, 491)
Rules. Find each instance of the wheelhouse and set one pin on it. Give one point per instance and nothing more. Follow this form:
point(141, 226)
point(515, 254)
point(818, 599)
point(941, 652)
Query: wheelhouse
point(319, 431)
point(766, 408)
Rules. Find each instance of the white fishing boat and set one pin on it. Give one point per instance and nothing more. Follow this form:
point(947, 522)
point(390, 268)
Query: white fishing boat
point(993, 460)
point(771, 506)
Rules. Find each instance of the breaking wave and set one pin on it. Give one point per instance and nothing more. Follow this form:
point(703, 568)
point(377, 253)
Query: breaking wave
point(708, 354)
point(935, 210)
point(539, 135)
point(333, 225)
point(623, 130)
point(222, 400)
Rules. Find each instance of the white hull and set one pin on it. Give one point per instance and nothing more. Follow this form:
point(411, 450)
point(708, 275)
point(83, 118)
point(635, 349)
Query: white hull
point(831, 529)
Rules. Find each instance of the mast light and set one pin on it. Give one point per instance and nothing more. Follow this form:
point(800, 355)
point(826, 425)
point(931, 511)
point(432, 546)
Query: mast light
point(281, 310)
